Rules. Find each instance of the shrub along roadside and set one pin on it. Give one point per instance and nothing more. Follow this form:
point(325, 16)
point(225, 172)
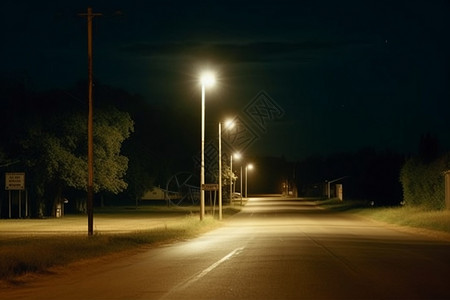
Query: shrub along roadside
point(36, 254)
point(423, 183)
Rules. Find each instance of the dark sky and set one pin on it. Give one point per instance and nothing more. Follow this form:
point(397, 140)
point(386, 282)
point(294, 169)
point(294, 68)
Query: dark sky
point(339, 75)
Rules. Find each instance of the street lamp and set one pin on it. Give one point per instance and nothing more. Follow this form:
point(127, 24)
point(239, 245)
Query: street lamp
point(241, 186)
point(247, 167)
point(237, 155)
point(228, 124)
point(207, 79)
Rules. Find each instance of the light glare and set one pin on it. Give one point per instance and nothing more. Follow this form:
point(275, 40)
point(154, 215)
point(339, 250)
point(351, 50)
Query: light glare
point(207, 79)
point(229, 124)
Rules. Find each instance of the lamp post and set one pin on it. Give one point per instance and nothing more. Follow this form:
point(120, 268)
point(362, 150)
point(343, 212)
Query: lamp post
point(241, 185)
point(207, 79)
point(247, 167)
point(220, 171)
point(228, 124)
point(237, 155)
point(231, 179)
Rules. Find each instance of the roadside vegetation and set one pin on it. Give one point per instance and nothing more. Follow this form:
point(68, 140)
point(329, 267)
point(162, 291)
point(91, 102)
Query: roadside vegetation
point(410, 216)
point(39, 251)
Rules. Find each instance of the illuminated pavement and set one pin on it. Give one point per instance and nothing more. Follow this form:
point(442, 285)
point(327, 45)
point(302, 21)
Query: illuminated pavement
point(273, 249)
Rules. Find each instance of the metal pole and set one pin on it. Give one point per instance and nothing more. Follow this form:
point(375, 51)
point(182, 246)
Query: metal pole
point(90, 184)
point(231, 179)
point(328, 189)
point(202, 163)
point(246, 171)
point(20, 204)
point(90, 187)
point(220, 171)
point(10, 203)
point(26, 203)
point(241, 185)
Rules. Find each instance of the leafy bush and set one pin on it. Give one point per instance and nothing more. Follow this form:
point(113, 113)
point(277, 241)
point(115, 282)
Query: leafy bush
point(423, 183)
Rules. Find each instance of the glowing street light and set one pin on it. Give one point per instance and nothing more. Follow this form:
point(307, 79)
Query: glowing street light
point(247, 167)
point(228, 124)
point(237, 155)
point(207, 79)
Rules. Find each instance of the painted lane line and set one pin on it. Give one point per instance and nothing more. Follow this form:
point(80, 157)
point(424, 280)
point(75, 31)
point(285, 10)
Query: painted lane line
point(209, 269)
point(216, 264)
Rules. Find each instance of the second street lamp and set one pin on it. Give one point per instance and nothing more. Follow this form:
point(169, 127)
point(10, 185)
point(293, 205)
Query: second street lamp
point(228, 124)
point(207, 79)
point(220, 171)
point(242, 194)
point(237, 155)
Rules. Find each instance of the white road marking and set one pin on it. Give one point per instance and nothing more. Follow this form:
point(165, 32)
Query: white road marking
point(205, 271)
point(216, 264)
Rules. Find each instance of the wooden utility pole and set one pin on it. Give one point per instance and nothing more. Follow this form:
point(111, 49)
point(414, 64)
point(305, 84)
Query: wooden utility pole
point(90, 185)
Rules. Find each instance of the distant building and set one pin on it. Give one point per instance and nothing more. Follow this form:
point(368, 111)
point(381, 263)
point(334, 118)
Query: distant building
point(156, 193)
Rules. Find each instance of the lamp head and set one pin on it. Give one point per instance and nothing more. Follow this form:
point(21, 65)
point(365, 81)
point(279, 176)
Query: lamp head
point(229, 124)
point(207, 79)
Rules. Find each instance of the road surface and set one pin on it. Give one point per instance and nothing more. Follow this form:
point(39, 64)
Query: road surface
point(274, 249)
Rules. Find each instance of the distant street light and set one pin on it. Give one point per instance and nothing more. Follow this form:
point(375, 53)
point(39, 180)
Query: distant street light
point(237, 155)
point(207, 79)
point(241, 186)
point(247, 167)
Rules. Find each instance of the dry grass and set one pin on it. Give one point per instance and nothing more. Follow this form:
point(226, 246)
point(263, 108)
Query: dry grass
point(35, 245)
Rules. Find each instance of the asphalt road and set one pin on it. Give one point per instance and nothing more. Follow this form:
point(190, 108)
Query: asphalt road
point(274, 249)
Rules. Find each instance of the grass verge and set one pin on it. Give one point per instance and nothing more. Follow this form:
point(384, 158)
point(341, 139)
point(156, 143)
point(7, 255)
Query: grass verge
point(36, 253)
point(417, 217)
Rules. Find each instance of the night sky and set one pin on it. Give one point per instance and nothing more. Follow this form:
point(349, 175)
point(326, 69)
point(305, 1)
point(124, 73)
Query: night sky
point(340, 75)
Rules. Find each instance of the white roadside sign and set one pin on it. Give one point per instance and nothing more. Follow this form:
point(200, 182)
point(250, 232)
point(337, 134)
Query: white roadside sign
point(14, 181)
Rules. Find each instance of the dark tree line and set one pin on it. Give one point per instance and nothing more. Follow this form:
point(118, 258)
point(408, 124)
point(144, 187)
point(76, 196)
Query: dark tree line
point(366, 175)
point(378, 176)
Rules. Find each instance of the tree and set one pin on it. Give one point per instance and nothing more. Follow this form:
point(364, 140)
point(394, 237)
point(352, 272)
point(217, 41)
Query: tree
point(111, 128)
point(57, 157)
